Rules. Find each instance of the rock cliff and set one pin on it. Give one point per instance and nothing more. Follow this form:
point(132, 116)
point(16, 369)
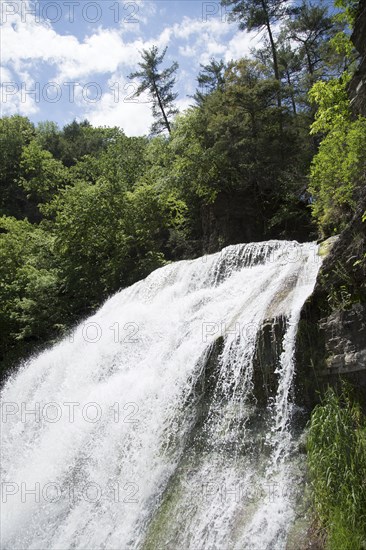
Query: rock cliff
point(332, 333)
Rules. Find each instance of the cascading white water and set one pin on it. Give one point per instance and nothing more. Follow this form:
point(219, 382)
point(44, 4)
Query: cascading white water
point(145, 432)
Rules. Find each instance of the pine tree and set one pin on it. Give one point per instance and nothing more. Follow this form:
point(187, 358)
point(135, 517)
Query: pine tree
point(312, 29)
point(159, 85)
point(210, 78)
point(258, 15)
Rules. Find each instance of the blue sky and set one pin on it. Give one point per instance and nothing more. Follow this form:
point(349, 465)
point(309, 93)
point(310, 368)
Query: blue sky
point(66, 59)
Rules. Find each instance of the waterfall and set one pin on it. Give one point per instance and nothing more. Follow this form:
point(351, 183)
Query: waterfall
point(143, 430)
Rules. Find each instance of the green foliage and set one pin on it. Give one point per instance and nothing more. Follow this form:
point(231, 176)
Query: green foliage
point(15, 133)
point(311, 30)
point(259, 15)
point(336, 448)
point(50, 138)
point(124, 160)
point(104, 223)
point(339, 169)
point(108, 237)
point(210, 78)
point(255, 14)
point(195, 167)
point(349, 9)
point(75, 140)
point(233, 143)
point(29, 282)
point(41, 176)
point(332, 103)
point(121, 161)
point(337, 173)
point(342, 45)
point(80, 138)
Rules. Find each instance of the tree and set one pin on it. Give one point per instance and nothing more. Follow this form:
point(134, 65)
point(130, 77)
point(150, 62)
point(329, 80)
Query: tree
point(338, 171)
point(29, 285)
point(160, 86)
point(80, 139)
point(41, 175)
point(50, 137)
point(15, 133)
point(258, 15)
point(231, 145)
point(312, 29)
point(123, 161)
point(107, 237)
point(210, 78)
point(290, 67)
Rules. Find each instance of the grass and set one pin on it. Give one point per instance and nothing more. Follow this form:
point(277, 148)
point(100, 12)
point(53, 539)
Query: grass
point(336, 447)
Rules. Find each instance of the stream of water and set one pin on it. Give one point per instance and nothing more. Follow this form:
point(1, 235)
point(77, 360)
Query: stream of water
point(141, 430)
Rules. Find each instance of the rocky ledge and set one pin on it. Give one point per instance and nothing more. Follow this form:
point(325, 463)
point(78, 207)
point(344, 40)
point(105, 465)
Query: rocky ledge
point(331, 342)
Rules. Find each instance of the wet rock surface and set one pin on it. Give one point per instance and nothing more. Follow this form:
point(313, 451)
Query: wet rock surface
point(266, 359)
point(331, 342)
point(345, 336)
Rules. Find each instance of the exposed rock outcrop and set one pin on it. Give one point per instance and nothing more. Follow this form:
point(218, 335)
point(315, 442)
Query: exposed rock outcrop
point(266, 359)
point(332, 333)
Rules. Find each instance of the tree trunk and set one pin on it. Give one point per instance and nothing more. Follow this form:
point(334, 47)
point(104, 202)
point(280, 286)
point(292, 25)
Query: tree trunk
point(277, 73)
point(167, 124)
point(291, 93)
point(310, 65)
point(274, 53)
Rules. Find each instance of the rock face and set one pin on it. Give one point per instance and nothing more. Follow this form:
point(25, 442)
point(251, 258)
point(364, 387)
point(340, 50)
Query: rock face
point(331, 350)
point(357, 87)
point(345, 340)
point(332, 332)
point(331, 343)
point(266, 359)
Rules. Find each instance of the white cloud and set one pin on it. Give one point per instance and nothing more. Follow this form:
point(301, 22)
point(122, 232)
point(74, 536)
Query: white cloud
point(105, 50)
point(189, 27)
point(207, 39)
point(34, 47)
point(74, 59)
point(135, 119)
point(117, 107)
point(14, 96)
point(184, 103)
point(5, 74)
point(189, 50)
point(213, 49)
point(101, 52)
point(142, 10)
point(241, 44)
